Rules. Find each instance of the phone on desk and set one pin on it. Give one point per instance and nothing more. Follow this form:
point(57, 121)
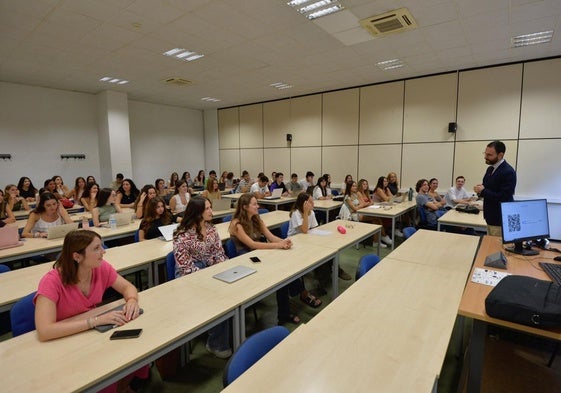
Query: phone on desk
point(254, 259)
point(124, 334)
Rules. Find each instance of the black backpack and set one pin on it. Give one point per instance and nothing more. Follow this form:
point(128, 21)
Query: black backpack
point(525, 300)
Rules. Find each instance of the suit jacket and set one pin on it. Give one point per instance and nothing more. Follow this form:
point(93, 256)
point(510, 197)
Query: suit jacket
point(499, 187)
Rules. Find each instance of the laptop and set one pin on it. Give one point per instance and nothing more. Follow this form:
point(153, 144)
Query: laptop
point(167, 231)
point(397, 199)
point(9, 237)
point(234, 274)
point(59, 231)
point(104, 328)
point(122, 220)
point(221, 204)
point(277, 193)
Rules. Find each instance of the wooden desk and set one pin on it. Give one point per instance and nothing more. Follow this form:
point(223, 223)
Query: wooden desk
point(388, 332)
point(473, 304)
point(392, 211)
point(327, 205)
point(458, 219)
point(289, 200)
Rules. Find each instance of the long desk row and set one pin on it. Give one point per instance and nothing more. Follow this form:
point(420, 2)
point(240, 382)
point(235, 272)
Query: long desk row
point(175, 312)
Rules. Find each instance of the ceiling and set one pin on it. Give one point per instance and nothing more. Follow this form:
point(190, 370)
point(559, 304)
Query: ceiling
point(250, 44)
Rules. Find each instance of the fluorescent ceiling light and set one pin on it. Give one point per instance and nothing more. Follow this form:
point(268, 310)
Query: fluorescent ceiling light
point(110, 79)
point(280, 85)
point(390, 64)
point(316, 8)
point(541, 37)
point(296, 3)
point(172, 52)
point(324, 12)
point(313, 6)
point(210, 99)
point(183, 54)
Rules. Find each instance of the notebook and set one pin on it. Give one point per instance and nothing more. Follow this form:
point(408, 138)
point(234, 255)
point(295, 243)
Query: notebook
point(277, 192)
point(234, 274)
point(104, 328)
point(221, 204)
point(167, 231)
point(9, 237)
point(59, 231)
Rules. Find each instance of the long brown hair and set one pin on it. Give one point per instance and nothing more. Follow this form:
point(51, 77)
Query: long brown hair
point(248, 224)
point(74, 241)
point(150, 213)
point(193, 217)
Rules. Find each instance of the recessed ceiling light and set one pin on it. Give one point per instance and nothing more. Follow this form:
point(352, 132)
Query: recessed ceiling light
point(210, 99)
point(316, 8)
point(390, 64)
point(280, 85)
point(541, 37)
point(110, 79)
point(183, 54)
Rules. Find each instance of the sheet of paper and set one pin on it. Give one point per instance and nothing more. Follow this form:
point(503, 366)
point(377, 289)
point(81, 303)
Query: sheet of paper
point(319, 232)
point(487, 276)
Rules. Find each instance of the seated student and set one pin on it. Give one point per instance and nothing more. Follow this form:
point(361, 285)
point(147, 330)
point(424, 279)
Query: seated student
point(156, 215)
point(249, 232)
point(223, 177)
point(427, 203)
point(382, 192)
point(229, 183)
point(320, 190)
point(245, 183)
point(327, 177)
point(308, 181)
point(116, 184)
point(433, 186)
point(60, 188)
point(127, 194)
point(161, 190)
point(197, 245)
point(105, 206)
point(211, 191)
point(363, 192)
point(179, 200)
point(141, 203)
point(186, 177)
point(75, 285)
point(15, 201)
point(89, 197)
point(279, 183)
point(6, 215)
point(392, 183)
point(174, 177)
point(260, 189)
point(457, 194)
point(26, 189)
point(90, 179)
point(294, 186)
point(50, 186)
point(48, 213)
point(348, 178)
point(200, 180)
point(76, 193)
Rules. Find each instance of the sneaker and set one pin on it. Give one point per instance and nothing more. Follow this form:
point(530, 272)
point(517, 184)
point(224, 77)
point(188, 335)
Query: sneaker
point(343, 275)
point(386, 239)
point(225, 354)
point(381, 245)
point(398, 233)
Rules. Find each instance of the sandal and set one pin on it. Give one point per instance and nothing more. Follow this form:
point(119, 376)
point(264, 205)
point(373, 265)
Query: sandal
point(292, 318)
point(311, 301)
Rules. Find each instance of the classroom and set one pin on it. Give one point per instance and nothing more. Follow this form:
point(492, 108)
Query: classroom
point(270, 90)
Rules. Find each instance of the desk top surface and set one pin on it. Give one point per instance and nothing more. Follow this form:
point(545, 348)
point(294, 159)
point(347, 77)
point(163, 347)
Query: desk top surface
point(327, 235)
point(389, 210)
point(326, 204)
point(458, 218)
point(473, 300)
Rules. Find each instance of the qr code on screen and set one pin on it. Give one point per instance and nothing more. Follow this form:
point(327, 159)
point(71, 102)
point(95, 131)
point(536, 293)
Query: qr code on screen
point(514, 222)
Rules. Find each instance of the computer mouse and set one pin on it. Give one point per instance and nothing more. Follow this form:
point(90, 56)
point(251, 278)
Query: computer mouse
point(341, 229)
point(558, 259)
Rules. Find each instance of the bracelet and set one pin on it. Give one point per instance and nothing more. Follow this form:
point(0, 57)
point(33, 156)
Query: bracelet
point(89, 322)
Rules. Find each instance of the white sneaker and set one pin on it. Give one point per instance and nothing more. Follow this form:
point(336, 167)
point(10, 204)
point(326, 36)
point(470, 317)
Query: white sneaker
point(386, 239)
point(398, 233)
point(382, 245)
point(220, 354)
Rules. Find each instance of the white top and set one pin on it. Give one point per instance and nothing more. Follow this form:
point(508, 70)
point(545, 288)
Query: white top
point(296, 221)
point(455, 194)
point(318, 194)
point(255, 188)
point(43, 226)
point(179, 206)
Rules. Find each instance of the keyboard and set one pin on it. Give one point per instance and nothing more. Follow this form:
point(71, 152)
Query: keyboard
point(553, 270)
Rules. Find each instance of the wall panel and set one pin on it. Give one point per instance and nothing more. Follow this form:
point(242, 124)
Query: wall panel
point(381, 113)
point(228, 128)
point(305, 121)
point(276, 123)
point(378, 160)
point(251, 126)
point(340, 118)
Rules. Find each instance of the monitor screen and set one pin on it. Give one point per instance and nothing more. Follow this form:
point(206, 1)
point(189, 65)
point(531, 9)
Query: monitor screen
point(522, 221)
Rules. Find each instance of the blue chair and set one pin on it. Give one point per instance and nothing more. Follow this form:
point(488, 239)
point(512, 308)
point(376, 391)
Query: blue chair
point(262, 211)
point(227, 218)
point(4, 268)
point(170, 266)
point(334, 192)
point(284, 230)
point(366, 263)
point(230, 249)
point(251, 350)
point(22, 315)
point(408, 232)
point(137, 236)
point(423, 220)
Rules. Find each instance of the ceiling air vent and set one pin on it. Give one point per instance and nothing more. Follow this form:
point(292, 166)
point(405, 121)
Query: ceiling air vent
point(177, 81)
point(391, 22)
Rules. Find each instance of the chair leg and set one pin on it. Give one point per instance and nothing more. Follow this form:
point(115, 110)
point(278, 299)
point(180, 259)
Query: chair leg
point(553, 355)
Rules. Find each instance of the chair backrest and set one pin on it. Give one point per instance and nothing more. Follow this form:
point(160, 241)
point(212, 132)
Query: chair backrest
point(284, 230)
point(137, 236)
point(251, 350)
point(22, 315)
point(262, 211)
point(366, 263)
point(230, 249)
point(170, 266)
point(408, 232)
point(227, 218)
point(334, 192)
point(4, 268)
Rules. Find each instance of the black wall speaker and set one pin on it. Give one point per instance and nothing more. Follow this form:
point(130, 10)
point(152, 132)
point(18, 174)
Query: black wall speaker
point(452, 127)
point(289, 137)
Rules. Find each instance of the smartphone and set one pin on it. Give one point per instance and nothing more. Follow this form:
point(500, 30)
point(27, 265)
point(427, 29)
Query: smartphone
point(254, 259)
point(122, 334)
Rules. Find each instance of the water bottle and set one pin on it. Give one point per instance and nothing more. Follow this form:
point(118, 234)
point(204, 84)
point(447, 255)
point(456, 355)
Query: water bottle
point(85, 222)
point(410, 194)
point(112, 222)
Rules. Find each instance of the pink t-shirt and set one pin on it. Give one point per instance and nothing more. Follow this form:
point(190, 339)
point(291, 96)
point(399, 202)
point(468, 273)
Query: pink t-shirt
point(69, 299)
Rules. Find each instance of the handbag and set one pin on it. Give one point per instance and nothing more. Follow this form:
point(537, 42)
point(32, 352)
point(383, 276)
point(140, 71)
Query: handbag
point(525, 300)
point(66, 203)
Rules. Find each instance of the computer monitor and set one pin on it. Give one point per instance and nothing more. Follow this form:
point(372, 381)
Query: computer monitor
point(523, 221)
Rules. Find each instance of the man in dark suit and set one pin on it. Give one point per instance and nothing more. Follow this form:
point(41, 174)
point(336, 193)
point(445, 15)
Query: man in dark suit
point(498, 186)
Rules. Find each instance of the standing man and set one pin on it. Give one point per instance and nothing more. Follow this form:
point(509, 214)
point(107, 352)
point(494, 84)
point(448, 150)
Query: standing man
point(498, 186)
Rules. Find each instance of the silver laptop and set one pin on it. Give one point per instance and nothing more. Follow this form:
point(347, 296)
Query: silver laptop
point(221, 204)
point(277, 193)
point(234, 273)
point(397, 199)
point(167, 231)
point(59, 231)
point(9, 237)
point(122, 219)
